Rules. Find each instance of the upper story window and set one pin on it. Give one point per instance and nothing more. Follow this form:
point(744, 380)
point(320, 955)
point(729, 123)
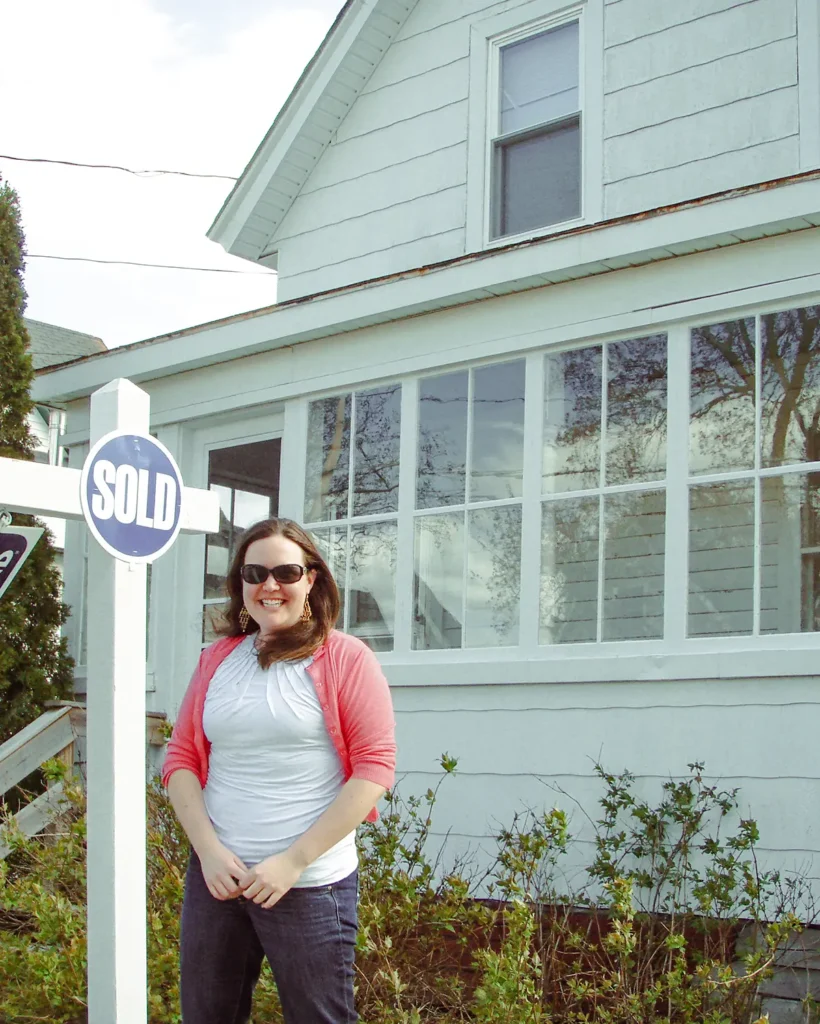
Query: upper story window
point(535, 141)
point(536, 155)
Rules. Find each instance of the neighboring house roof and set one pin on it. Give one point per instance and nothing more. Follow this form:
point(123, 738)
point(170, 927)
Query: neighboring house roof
point(51, 345)
point(305, 125)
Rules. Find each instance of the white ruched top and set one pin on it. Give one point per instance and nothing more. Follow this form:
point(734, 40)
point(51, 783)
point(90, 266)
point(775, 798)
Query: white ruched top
point(273, 767)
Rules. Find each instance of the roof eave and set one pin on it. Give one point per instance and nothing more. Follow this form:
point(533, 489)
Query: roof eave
point(230, 228)
point(228, 222)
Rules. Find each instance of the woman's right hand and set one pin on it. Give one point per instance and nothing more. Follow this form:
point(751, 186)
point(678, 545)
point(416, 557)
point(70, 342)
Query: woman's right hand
point(221, 870)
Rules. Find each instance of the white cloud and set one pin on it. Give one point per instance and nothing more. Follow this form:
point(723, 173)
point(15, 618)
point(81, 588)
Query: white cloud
point(102, 82)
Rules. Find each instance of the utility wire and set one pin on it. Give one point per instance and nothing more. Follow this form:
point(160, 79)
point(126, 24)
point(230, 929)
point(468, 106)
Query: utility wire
point(159, 266)
point(113, 167)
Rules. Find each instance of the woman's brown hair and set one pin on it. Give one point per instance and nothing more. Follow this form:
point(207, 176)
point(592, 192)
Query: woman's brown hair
point(304, 638)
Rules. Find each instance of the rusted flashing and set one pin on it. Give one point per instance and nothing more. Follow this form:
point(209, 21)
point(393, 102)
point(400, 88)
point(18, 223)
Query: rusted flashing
point(466, 259)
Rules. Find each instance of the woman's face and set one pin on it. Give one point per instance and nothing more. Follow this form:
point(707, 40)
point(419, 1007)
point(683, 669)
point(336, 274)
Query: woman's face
point(273, 605)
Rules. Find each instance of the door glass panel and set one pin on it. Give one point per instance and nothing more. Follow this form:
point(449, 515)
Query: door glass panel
point(376, 454)
point(569, 571)
point(722, 397)
point(721, 559)
point(790, 387)
point(572, 420)
point(634, 547)
point(438, 582)
point(636, 410)
point(372, 598)
point(246, 478)
point(493, 577)
point(327, 469)
point(442, 456)
point(498, 432)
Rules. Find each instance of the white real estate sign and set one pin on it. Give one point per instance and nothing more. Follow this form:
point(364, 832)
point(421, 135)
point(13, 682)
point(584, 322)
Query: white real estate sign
point(136, 504)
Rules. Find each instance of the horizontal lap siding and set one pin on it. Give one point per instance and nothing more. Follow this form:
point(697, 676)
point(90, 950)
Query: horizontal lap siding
point(700, 96)
point(519, 746)
point(390, 192)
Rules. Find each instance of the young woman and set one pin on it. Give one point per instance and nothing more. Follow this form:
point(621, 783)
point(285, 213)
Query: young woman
point(283, 745)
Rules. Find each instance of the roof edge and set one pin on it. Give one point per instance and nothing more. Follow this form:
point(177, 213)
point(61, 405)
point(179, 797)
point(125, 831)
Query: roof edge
point(229, 213)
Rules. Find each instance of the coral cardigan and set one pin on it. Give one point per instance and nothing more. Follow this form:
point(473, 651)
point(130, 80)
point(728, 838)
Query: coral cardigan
point(352, 691)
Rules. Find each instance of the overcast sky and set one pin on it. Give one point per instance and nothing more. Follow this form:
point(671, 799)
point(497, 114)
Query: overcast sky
point(180, 84)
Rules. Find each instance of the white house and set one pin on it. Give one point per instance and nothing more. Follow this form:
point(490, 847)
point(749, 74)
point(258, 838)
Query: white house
point(50, 345)
point(544, 380)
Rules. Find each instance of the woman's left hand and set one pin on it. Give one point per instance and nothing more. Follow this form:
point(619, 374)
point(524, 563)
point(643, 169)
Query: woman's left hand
point(270, 879)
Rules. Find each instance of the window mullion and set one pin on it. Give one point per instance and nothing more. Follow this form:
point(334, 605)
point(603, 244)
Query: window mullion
point(676, 558)
point(758, 513)
point(599, 634)
point(405, 550)
point(530, 619)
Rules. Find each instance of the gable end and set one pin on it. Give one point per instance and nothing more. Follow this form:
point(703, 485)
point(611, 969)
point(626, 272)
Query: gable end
point(305, 126)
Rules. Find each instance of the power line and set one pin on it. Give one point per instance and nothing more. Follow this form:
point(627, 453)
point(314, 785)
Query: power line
point(113, 167)
point(159, 266)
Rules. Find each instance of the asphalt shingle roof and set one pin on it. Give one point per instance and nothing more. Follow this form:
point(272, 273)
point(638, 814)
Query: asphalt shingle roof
point(51, 345)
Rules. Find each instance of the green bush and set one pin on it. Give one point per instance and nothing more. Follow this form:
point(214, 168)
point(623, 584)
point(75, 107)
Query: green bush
point(650, 935)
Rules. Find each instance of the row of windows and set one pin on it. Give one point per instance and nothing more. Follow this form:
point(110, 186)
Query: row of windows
point(590, 473)
point(605, 453)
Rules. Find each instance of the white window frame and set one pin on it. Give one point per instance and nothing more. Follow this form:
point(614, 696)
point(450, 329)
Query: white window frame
point(674, 657)
point(487, 37)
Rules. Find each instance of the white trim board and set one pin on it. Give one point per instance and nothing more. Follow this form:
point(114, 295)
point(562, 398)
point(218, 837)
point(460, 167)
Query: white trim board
point(695, 227)
point(756, 276)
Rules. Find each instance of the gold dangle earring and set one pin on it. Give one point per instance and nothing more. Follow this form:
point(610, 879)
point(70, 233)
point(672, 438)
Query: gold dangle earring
point(307, 612)
point(244, 619)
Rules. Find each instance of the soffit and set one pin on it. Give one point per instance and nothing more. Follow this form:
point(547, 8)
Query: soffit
point(306, 124)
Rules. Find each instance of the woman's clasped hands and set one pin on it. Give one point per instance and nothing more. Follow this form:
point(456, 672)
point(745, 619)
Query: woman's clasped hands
point(228, 878)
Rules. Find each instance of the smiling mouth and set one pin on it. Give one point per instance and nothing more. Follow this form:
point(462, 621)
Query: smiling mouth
point(271, 604)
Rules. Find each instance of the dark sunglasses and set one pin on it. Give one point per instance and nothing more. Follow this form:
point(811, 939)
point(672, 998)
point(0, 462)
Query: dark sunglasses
point(281, 573)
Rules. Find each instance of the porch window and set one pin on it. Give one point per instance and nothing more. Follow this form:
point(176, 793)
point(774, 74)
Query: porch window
point(466, 583)
point(246, 478)
point(536, 143)
point(570, 498)
point(351, 504)
point(754, 494)
point(604, 505)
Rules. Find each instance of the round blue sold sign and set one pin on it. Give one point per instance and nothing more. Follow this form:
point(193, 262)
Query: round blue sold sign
point(131, 496)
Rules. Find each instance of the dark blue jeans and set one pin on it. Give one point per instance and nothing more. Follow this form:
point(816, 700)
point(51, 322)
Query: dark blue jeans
point(308, 937)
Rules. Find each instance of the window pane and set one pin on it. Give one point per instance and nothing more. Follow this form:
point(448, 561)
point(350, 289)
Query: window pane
point(372, 597)
point(790, 538)
point(376, 454)
point(493, 577)
point(438, 583)
point(572, 420)
point(498, 432)
point(634, 565)
point(721, 559)
point(332, 545)
point(791, 387)
point(636, 410)
point(569, 571)
point(212, 618)
point(722, 397)
point(442, 440)
point(246, 478)
point(327, 470)
point(539, 79)
point(540, 179)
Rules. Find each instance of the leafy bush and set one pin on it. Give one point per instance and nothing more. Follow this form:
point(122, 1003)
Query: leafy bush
point(651, 935)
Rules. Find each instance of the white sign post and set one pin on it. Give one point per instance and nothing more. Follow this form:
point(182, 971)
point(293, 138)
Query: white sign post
point(136, 513)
